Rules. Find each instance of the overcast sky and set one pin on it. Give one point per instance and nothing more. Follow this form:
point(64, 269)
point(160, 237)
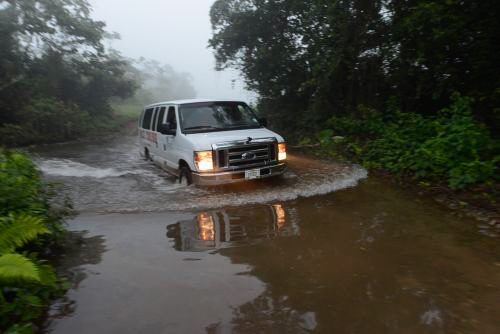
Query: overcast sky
point(174, 32)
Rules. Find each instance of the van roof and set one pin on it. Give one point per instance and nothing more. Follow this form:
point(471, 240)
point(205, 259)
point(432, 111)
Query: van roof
point(191, 101)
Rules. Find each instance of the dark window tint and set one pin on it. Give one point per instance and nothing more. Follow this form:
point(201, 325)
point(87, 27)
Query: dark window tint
point(155, 118)
point(146, 120)
point(171, 117)
point(160, 118)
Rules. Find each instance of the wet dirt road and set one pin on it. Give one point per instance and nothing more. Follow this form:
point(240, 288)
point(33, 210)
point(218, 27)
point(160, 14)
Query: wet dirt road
point(324, 249)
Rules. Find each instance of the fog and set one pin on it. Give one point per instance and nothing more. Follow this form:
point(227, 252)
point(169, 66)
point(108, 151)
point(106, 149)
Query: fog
point(172, 32)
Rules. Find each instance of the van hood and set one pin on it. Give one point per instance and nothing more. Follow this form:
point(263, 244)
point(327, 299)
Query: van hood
point(204, 141)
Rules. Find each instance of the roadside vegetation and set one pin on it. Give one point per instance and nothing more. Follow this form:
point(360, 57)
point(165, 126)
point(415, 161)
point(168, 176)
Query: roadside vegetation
point(406, 87)
point(30, 229)
point(450, 146)
point(59, 82)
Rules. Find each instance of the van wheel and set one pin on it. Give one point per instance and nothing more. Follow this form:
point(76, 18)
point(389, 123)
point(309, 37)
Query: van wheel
point(185, 176)
point(146, 154)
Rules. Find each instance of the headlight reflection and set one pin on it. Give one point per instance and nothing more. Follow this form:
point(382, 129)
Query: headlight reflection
point(231, 228)
point(279, 212)
point(206, 227)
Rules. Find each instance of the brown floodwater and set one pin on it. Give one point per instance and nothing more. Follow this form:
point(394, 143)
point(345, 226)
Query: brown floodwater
point(325, 249)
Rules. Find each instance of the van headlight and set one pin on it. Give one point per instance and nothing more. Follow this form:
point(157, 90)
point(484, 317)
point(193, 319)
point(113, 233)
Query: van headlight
point(204, 160)
point(281, 151)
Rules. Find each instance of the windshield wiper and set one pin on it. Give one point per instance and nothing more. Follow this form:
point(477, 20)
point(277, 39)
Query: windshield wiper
point(201, 127)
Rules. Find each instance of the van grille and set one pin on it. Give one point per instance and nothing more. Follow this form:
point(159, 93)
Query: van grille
point(246, 156)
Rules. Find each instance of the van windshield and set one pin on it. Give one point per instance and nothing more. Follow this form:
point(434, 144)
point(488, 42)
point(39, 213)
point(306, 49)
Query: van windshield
point(216, 116)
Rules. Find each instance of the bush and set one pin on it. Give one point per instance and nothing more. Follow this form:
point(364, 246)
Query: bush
point(55, 120)
point(368, 124)
point(47, 120)
point(27, 225)
point(453, 144)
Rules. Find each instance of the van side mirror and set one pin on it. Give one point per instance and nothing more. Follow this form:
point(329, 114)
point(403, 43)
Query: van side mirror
point(167, 129)
point(263, 121)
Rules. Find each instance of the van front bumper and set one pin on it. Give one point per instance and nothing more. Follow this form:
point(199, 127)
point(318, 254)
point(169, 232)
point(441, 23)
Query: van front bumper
point(218, 178)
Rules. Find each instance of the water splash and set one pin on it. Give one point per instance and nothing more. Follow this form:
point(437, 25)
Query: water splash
point(211, 199)
point(66, 167)
point(113, 178)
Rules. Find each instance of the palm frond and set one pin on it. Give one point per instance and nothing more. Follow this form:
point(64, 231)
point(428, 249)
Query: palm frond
point(17, 230)
point(16, 267)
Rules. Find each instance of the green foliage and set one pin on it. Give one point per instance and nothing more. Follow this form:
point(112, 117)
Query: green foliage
point(27, 283)
point(305, 141)
point(21, 189)
point(325, 136)
point(367, 123)
point(451, 145)
point(16, 267)
point(23, 194)
point(15, 135)
point(48, 117)
point(474, 172)
point(16, 231)
point(48, 120)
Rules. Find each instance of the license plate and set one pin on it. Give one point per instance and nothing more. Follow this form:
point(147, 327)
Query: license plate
point(252, 174)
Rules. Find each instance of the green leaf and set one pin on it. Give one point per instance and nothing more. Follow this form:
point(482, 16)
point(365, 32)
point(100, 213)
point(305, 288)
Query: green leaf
point(17, 230)
point(325, 136)
point(20, 329)
point(15, 267)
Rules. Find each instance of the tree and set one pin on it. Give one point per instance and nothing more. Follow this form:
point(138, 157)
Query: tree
point(439, 47)
point(52, 50)
point(313, 55)
point(309, 60)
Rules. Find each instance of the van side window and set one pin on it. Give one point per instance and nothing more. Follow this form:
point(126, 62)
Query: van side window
point(171, 117)
point(146, 120)
point(155, 117)
point(160, 118)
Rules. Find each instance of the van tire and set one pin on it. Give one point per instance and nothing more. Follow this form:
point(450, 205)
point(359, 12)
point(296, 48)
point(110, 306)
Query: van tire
point(146, 154)
point(185, 174)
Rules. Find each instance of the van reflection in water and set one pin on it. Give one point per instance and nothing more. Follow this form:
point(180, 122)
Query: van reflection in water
point(230, 228)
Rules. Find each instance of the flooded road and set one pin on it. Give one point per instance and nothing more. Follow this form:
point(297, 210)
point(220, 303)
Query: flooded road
point(324, 249)
point(113, 178)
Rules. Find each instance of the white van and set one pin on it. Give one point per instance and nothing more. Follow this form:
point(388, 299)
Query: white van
point(210, 142)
